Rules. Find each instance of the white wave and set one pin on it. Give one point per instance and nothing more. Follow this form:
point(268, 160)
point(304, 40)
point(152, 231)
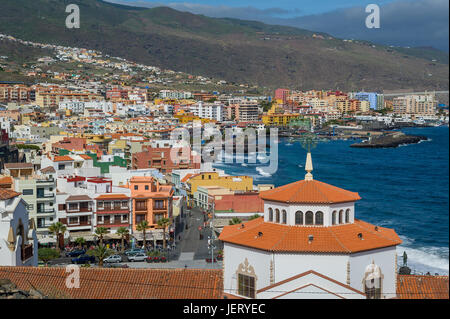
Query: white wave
point(300, 165)
point(425, 259)
point(289, 144)
point(262, 172)
point(243, 164)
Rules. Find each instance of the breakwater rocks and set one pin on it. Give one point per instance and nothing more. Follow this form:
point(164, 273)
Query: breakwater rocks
point(390, 140)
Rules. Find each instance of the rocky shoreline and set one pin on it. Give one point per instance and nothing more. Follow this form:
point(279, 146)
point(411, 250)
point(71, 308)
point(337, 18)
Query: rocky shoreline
point(390, 140)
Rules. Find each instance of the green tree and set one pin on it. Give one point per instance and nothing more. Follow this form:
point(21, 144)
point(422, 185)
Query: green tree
point(122, 231)
point(254, 217)
point(47, 254)
point(164, 223)
point(143, 226)
point(100, 232)
point(58, 229)
point(101, 252)
point(80, 241)
point(235, 221)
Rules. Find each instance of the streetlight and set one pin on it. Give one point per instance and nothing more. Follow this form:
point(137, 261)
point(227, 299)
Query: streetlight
point(212, 237)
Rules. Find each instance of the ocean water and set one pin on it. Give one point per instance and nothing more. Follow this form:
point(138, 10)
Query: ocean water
point(404, 188)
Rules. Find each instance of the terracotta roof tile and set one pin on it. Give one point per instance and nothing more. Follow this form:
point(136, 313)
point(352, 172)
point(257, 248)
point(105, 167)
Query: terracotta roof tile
point(64, 158)
point(18, 165)
point(334, 239)
point(7, 194)
point(313, 192)
point(422, 287)
point(6, 180)
point(48, 169)
point(78, 198)
point(119, 283)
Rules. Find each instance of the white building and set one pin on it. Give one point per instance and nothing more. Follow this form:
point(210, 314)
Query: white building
point(18, 241)
point(213, 111)
point(309, 245)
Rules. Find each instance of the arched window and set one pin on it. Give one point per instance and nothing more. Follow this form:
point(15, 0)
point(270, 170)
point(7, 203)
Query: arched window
point(270, 214)
point(309, 218)
point(341, 212)
point(284, 217)
point(319, 218)
point(298, 218)
point(347, 216)
point(277, 215)
point(333, 217)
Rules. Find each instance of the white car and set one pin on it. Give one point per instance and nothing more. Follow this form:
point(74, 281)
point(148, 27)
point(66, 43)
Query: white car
point(137, 257)
point(113, 259)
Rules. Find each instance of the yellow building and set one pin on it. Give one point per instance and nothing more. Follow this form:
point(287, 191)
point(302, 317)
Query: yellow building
point(280, 119)
point(120, 145)
point(184, 118)
point(243, 183)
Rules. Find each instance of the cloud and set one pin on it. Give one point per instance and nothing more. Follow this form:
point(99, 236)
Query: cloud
point(402, 22)
point(216, 11)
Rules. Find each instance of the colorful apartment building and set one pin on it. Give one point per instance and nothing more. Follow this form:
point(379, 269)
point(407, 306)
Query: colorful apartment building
point(151, 201)
point(280, 119)
point(161, 159)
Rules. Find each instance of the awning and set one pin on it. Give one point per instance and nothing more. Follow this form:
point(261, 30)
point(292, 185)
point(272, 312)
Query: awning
point(46, 239)
point(88, 236)
point(152, 234)
point(112, 236)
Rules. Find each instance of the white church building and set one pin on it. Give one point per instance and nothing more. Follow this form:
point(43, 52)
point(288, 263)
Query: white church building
point(309, 245)
point(18, 240)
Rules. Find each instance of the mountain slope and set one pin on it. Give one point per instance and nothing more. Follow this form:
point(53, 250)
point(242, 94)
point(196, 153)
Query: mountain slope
point(234, 50)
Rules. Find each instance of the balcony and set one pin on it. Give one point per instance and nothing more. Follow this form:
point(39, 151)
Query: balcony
point(27, 252)
point(45, 210)
point(45, 196)
point(113, 208)
point(82, 223)
point(158, 207)
point(80, 210)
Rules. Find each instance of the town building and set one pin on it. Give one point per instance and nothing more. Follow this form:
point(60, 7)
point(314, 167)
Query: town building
point(18, 240)
point(309, 245)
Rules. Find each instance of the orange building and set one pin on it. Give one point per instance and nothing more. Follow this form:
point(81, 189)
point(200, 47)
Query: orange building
point(151, 201)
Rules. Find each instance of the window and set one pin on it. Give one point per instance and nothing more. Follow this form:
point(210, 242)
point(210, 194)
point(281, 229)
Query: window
point(61, 166)
point(277, 215)
point(141, 205)
point(100, 205)
point(333, 218)
point(246, 286)
point(347, 216)
point(73, 220)
point(136, 187)
point(270, 215)
point(125, 203)
point(309, 218)
point(209, 176)
point(298, 218)
point(146, 187)
point(27, 192)
point(140, 218)
point(319, 218)
point(99, 219)
point(51, 189)
point(73, 206)
point(284, 217)
point(341, 212)
point(159, 204)
point(125, 218)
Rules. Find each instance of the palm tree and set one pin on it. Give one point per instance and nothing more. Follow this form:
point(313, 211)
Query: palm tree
point(80, 241)
point(235, 221)
point(164, 223)
point(100, 232)
point(143, 226)
point(101, 252)
point(58, 229)
point(122, 231)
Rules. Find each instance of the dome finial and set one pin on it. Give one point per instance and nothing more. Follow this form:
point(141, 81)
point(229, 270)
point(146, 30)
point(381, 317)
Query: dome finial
point(308, 167)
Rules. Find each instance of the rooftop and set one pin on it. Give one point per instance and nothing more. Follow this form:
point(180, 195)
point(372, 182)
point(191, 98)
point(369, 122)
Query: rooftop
point(342, 239)
point(120, 283)
point(309, 192)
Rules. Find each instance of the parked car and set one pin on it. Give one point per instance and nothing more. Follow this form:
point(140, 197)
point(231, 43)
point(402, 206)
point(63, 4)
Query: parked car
point(137, 257)
point(76, 253)
point(113, 259)
point(83, 259)
point(134, 251)
point(116, 266)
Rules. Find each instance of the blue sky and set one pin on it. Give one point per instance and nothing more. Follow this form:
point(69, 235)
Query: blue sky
point(403, 22)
